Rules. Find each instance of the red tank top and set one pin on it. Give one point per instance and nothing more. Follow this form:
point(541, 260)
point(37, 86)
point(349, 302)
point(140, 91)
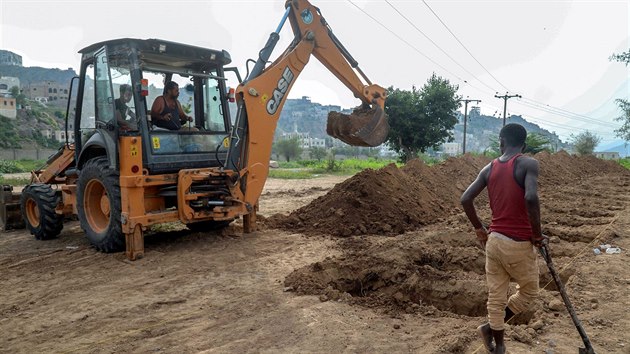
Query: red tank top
point(507, 201)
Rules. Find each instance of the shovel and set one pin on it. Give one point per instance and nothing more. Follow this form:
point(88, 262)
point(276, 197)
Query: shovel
point(544, 252)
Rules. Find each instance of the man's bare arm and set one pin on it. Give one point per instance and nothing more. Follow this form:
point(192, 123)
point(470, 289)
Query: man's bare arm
point(471, 193)
point(531, 199)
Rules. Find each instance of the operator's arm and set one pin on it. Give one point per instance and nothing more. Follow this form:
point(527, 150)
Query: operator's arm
point(156, 109)
point(468, 204)
point(182, 115)
point(532, 201)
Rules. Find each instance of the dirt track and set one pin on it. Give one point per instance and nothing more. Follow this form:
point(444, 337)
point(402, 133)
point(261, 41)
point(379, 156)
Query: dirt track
point(295, 290)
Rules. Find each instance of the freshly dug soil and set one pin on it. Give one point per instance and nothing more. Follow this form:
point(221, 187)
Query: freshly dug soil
point(393, 200)
point(436, 268)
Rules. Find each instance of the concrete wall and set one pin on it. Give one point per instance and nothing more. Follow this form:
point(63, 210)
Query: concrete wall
point(20, 154)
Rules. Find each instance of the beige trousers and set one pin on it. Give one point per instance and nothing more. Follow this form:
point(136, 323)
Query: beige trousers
point(509, 260)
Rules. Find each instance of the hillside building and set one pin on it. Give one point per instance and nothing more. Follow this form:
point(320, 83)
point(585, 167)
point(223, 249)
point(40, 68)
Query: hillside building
point(607, 155)
point(8, 107)
point(6, 83)
point(49, 90)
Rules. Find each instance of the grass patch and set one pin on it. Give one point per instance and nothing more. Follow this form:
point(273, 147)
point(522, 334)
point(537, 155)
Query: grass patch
point(625, 163)
point(15, 182)
point(30, 165)
point(291, 174)
point(312, 168)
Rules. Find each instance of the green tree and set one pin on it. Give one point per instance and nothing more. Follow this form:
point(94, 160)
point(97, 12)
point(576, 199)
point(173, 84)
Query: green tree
point(585, 142)
point(421, 119)
point(289, 148)
point(624, 105)
point(16, 93)
point(317, 153)
point(535, 143)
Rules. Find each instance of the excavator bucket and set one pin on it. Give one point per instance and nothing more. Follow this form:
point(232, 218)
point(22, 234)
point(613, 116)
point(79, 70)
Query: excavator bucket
point(364, 127)
point(10, 215)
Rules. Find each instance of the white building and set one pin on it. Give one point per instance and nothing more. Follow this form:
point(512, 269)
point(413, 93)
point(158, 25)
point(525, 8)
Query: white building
point(451, 149)
point(7, 82)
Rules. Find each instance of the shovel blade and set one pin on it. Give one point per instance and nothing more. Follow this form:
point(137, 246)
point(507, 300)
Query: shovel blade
point(364, 127)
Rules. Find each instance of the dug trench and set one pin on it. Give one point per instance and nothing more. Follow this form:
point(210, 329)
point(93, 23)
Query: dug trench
point(408, 247)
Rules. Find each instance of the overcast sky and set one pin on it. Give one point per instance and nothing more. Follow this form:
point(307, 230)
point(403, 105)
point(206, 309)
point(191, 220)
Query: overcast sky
point(552, 53)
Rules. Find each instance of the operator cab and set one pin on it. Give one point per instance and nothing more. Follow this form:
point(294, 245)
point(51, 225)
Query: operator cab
point(105, 109)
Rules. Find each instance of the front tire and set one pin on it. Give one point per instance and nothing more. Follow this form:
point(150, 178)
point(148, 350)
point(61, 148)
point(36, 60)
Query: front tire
point(99, 205)
point(37, 204)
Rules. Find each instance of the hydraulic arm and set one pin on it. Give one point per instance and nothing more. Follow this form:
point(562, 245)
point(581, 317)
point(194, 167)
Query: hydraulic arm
point(263, 93)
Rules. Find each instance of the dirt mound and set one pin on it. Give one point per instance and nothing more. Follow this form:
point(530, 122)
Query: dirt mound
point(399, 275)
point(395, 200)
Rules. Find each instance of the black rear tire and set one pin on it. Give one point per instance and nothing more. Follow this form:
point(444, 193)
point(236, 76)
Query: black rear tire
point(99, 205)
point(210, 225)
point(37, 204)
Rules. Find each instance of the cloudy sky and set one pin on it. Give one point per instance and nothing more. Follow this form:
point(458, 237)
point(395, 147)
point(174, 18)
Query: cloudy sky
point(553, 53)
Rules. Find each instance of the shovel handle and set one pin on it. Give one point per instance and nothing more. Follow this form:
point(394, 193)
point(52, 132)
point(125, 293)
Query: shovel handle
point(544, 252)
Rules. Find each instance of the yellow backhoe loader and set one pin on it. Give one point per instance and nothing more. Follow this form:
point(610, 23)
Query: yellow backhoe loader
point(124, 173)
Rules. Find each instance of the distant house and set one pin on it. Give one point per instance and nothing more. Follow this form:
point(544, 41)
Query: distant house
point(51, 90)
point(607, 155)
point(451, 149)
point(8, 107)
point(7, 82)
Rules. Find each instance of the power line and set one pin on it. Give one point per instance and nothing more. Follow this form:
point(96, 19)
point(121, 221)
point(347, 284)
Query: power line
point(561, 113)
point(462, 44)
point(405, 41)
point(436, 45)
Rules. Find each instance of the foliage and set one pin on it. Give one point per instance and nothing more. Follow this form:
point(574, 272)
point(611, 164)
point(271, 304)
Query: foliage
point(585, 142)
point(289, 148)
point(624, 131)
point(330, 166)
point(291, 174)
point(30, 165)
point(421, 119)
point(625, 162)
point(317, 153)
point(8, 133)
point(9, 167)
point(535, 143)
point(624, 105)
point(20, 98)
point(14, 181)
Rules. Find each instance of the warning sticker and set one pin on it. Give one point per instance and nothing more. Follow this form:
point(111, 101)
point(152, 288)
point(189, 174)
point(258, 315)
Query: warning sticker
point(156, 142)
point(134, 150)
point(226, 142)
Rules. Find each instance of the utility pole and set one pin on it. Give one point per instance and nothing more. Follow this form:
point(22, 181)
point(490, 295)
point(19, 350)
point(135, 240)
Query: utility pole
point(505, 98)
point(466, 119)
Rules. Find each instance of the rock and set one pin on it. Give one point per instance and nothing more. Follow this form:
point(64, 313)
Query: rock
point(531, 332)
point(323, 298)
point(396, 326)
point(274, 164)
point(554, 239)
point(556, 305)
point(552, 343)
point(287, 288)
point(594, 306)
point(537, 325)
point(549, 351)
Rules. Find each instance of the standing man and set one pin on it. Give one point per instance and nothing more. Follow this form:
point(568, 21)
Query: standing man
point(166, 111)
point(512, 182)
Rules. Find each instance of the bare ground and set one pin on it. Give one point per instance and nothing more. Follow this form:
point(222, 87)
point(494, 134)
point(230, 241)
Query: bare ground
point(229, 292)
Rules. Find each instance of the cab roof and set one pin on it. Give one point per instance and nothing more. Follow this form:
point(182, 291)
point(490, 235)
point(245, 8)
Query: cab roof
point(162, 52)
